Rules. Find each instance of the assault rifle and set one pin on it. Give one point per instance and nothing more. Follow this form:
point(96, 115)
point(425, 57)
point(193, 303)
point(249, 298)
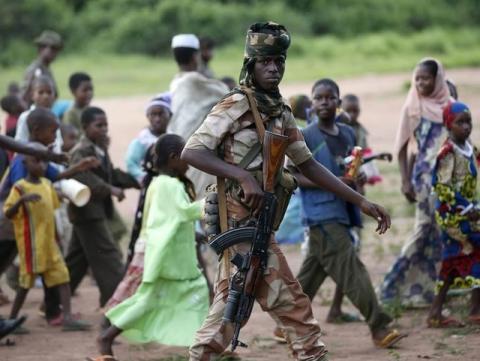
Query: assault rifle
point(251, 266)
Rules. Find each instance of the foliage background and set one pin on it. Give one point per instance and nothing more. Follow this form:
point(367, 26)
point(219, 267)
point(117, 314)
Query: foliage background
point(335, 37)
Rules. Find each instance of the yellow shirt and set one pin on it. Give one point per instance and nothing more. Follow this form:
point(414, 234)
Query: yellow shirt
point(34, 226)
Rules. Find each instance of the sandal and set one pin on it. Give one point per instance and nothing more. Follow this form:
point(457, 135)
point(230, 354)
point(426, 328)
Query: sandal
point(448, 322)
point(103, 358)
point(389, 340)
point(279, 335)
point(10, 326)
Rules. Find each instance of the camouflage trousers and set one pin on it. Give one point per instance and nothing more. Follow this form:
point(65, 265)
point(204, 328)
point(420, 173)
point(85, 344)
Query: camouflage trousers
point(279, 294)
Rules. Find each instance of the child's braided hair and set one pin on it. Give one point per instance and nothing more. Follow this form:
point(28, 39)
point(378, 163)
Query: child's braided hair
point(166, 145)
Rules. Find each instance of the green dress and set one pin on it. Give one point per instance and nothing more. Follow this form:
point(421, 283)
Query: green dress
point(172, 300)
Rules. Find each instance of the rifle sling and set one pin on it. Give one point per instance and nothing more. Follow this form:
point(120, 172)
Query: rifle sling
point(249, 157)
point(256, 115)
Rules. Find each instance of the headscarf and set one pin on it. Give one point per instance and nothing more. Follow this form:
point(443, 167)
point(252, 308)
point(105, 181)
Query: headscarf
point(417, 106)
point(162, 100)
point(451, 110)
point(260, 42)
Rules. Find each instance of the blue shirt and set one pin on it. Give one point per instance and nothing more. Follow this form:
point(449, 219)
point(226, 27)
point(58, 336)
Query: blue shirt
point(18, 171)
point(320, 206)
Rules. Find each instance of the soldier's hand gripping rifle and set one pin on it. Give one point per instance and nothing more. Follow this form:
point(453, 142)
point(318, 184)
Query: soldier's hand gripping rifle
point(251, 266)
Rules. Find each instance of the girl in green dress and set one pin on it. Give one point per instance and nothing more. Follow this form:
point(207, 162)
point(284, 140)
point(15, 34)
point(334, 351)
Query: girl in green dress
point(172, 300)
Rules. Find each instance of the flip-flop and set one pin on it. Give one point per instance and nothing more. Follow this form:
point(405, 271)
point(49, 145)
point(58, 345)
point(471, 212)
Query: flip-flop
point(448, 322)
point(344, 318)
point(103, 358)
point(279, 336)
point(11, 325)
point(474, 320)
point(389, 340)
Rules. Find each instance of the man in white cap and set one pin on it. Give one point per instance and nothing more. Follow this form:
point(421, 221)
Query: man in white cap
point(193, 96)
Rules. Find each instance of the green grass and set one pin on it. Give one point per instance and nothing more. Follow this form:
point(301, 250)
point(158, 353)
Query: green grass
point(308, 60)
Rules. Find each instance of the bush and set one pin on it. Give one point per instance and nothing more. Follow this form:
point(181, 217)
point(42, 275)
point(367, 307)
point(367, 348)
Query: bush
point(22, 21)
point(150, 29)
point(146, 26)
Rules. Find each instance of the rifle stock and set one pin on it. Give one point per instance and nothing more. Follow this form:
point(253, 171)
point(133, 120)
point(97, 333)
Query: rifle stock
point(274, 147)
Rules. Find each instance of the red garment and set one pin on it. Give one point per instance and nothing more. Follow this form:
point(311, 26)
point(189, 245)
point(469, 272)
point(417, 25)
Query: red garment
point(11, 122)
point(460, 266)
point(11, 126)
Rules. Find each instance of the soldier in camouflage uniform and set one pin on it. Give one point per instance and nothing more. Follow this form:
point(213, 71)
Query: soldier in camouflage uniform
point(49, 43)
point(230, 127)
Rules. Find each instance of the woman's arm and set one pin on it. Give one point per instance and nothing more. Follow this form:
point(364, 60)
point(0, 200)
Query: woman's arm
point(406, 168)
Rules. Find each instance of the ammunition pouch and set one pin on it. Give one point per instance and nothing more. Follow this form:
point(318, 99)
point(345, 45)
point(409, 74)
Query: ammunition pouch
point(211, 212)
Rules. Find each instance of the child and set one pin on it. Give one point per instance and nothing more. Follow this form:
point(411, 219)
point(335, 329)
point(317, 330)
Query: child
point(43, 127)
point(82, 90)
point(43, 96)
point(171, 302)
point(13, 146)
point(136, 247)
point(158, 114)
point(331, 251)
point(92, 244)
point(13, 106)
point(70, 136)
point(457, 213)
point(300, 108)
point(351, 105)
point(30, 205)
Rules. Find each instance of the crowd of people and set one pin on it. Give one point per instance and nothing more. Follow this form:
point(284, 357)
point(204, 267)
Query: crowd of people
point(198, 167)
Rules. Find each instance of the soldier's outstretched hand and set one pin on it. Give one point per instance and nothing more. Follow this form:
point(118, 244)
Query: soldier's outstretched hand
point(378, 213)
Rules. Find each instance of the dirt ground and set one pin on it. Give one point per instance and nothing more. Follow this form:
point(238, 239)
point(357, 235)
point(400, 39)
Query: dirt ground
point(382, 98)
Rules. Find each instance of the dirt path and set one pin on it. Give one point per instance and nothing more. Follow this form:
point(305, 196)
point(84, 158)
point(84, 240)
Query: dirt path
point(382, 98)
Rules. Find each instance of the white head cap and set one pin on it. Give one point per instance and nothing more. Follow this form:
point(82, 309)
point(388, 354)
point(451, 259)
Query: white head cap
point(185, 41)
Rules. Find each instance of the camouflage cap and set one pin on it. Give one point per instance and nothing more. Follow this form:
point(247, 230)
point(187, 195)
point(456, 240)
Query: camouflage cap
point(51, 38)
point(265, 39)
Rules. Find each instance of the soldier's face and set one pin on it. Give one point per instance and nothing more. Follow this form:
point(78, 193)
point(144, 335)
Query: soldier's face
point(268, 71)
point(48, 53)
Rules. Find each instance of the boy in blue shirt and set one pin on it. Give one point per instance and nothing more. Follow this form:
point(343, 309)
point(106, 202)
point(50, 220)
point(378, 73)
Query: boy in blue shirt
point(331, 251)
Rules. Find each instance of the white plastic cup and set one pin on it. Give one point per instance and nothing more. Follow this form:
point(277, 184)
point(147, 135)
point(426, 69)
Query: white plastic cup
point(78, 193)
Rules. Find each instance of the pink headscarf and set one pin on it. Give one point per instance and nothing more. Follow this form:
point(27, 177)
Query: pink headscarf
point(417, 106)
